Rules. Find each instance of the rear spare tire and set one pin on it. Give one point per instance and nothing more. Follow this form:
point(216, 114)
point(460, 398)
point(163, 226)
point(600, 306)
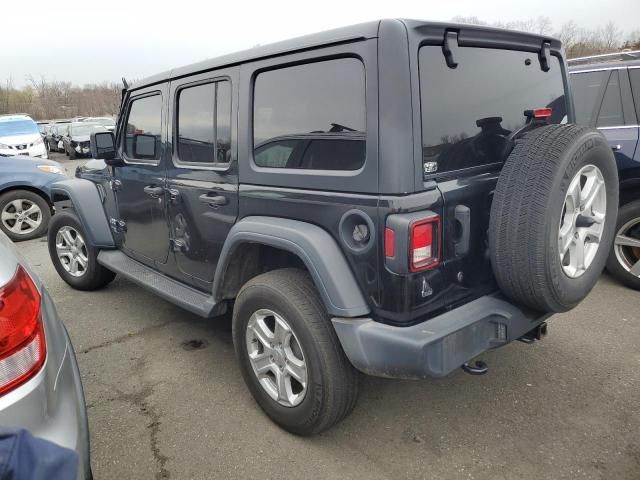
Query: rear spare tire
point(553, 216)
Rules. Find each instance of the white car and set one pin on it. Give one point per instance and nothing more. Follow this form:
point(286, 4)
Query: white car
point(19, 135)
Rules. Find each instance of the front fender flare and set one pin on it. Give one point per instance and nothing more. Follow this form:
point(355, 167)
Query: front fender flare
point(86, 201)
point(314, 246)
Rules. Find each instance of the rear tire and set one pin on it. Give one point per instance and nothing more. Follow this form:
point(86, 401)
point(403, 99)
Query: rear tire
point(533, 212)
point(67, 241)
point(331, 381)
point(624, 260)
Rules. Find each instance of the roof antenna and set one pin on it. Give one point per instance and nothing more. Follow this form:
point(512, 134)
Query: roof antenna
point(125, 83)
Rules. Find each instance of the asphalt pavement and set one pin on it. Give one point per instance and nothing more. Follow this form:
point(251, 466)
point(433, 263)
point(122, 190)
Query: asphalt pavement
point(166, 399)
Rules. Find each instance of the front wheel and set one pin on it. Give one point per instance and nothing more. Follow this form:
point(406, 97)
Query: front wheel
point(73, 256)
point(624, 260)
point(289, 354)
point(23, 215)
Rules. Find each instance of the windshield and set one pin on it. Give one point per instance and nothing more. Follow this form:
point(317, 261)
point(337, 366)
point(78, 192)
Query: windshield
point(86, 129)
point(468, 111)
point(17, 127)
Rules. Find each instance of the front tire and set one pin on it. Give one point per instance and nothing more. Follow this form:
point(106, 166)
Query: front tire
point(290, 356)
point(23, 215)
point(624, 260)
point(73, 256)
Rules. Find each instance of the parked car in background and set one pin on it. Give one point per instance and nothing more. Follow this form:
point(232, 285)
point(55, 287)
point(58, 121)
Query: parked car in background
point(606, 93)
point(44, 128)
point(25, 195)
point(106, 122)
point(40, 385)
point(353, 202)
point(56, 133)
point(19, 135)
point(76, 139)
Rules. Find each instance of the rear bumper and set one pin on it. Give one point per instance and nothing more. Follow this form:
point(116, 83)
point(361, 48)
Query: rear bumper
point(438, 346)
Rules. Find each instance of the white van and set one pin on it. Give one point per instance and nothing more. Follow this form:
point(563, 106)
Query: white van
point(19, 135)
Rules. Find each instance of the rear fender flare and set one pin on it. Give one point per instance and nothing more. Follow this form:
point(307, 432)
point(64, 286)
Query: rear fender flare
point(318, 251)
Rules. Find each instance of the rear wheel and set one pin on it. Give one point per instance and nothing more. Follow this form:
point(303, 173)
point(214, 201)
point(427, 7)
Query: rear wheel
point(23, 215)
point(289, 354)
point(624, 259)
point(73, 256)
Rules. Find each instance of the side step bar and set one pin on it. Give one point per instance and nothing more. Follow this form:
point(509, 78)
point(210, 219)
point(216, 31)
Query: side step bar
point(175, 292)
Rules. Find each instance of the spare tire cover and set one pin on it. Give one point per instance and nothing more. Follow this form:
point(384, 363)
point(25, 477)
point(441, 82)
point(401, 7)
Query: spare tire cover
point(553, 216)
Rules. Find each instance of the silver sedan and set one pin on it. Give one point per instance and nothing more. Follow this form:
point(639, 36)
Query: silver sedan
point(40, 386)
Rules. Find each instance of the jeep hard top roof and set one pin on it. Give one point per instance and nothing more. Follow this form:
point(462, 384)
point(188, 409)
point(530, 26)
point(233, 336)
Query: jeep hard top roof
point(428, 32)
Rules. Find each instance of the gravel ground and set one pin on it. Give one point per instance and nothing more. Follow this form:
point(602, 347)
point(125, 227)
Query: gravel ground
point(166, 399)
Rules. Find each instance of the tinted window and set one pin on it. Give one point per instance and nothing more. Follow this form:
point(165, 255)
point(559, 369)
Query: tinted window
point(142, 134)
point(311, 116)
point(587, 91)
point(467, 112)
point(204, 123)
point(634, 75)
point(611, 110)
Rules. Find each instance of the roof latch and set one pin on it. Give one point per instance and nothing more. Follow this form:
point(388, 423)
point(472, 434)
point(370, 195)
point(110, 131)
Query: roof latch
point(545, 56)
point(449, 47)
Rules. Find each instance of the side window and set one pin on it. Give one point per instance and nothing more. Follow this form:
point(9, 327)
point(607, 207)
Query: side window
point(611, 110)
point(586, 89)
point(634, 76)
point(142, 133)
point(311, 116)
point(204, 123)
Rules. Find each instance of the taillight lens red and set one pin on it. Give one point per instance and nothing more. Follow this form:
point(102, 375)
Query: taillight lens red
point(22, 342)
point(424, 248)
point(542, 112)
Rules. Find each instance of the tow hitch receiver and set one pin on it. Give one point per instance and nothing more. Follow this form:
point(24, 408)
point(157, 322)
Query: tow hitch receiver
point(535, 334)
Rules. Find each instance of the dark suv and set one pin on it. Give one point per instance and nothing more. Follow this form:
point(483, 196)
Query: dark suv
point(395, 197)
point(606, 91)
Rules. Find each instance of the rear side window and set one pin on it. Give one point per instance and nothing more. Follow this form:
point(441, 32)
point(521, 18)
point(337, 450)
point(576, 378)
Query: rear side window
point(587, 91)
point(468, 111)
point(142, 133)
point(204, 123)
point(611, 109)
point(311, 116)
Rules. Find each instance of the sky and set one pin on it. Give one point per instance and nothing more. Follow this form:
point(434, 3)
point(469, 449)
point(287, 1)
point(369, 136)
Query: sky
point(92, 41)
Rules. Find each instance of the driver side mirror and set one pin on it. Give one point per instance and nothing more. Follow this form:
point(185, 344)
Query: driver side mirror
point(103, 146)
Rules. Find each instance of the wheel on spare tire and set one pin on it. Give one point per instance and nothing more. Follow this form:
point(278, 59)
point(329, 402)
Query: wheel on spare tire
point(73, 256)
point(553, 216)
point(23, 215)
point(624, 259)
point(289, 353)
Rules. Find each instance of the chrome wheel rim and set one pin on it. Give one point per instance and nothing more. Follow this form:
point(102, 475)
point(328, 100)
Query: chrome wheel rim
point(276, 357)
point(582, 221)
point(21, 216)
point(627, 246)
point(72, 251)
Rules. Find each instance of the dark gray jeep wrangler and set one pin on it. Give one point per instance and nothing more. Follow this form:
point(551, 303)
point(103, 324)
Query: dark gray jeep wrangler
point(395, 197)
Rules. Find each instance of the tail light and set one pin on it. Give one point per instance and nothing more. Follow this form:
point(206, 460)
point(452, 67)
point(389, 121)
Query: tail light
point(424, 248)
point(22, 342)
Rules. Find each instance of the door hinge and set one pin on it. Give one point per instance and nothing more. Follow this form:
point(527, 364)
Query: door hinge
point(115, 185)
point(117, 225)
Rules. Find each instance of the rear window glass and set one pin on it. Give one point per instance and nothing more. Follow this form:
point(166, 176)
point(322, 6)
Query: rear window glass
point(311, 116)
point(468, 111)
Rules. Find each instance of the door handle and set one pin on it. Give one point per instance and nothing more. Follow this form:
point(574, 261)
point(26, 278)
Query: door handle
point(154, 192)
point(216, 201)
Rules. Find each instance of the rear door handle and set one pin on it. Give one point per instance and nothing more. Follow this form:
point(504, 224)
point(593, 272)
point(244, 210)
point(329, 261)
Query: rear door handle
point(154, 192)
point(216, 201)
